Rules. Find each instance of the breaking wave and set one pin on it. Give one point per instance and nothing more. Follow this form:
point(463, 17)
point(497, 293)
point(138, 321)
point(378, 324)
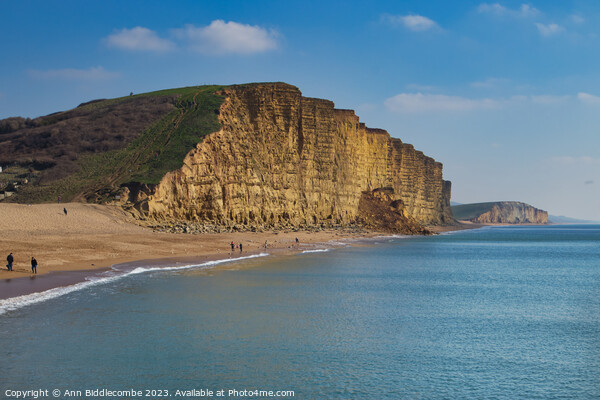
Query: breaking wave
point(315, 251)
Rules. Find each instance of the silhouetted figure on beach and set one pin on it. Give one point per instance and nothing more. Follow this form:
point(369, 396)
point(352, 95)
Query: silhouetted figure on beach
point(232, 246)
point(240, 247)
point(265, 244)
point(10, 261)
point(65, 211)
point(33, 265)
point(297, 241)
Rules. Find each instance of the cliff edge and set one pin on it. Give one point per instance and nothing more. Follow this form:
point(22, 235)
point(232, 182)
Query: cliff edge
point(281, 159)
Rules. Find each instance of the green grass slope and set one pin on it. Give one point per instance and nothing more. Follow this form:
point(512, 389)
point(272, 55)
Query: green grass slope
point(98, 175)
point(473, 210)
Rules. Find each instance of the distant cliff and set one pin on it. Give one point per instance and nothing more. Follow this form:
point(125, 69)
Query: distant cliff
point(281, 159)
point(505, 212)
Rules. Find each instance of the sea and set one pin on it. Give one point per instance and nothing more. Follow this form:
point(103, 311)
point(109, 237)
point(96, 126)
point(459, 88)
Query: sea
point(491, 313)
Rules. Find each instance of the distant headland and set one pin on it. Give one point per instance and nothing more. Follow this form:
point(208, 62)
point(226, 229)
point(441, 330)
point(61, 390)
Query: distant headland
point(500, 212)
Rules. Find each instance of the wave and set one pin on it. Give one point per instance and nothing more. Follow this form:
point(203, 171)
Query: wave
point(315, 251)
point(338, 243)
point(208, 264)
point(392, 236)
point(387, 238)
point(15, 303)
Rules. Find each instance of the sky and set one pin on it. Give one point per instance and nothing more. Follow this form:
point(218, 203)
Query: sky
point(505, 94)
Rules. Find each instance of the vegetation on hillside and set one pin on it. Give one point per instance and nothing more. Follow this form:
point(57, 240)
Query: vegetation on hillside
point(96, 172)
point(473, 210)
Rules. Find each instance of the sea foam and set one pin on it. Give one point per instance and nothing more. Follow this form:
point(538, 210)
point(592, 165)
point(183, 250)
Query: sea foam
point(315, 251)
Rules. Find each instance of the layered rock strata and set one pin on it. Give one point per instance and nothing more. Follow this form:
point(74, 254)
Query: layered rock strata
point(512, 212)
point(282, 159)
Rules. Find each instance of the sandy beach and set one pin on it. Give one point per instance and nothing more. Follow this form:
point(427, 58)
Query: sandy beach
point(95, 237)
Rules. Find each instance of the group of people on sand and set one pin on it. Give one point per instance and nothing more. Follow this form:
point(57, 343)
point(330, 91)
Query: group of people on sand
point(234, 246)
point(239, 246)
point(10, 260)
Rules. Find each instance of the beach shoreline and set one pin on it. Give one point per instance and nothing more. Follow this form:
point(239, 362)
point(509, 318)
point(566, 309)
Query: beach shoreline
point(93, 239)
point(25, 285)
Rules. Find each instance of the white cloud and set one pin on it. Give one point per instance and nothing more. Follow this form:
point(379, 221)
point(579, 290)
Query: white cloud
point(90, 74)
point(413, 22)
point(588, 98)
point(495, 8)
point(220, 38)
point(524, 11)
point(418, 102)
point(527, 11)
point(139, 39)
point(549, 29)
point(544, 100)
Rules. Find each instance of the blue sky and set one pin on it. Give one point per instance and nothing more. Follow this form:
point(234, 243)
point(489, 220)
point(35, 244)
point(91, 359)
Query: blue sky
point(505, 94)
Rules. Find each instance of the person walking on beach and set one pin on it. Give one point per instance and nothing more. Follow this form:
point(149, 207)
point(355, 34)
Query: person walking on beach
point(33, 265)
point(240, 247)
point(9, 260)
point(65, 211)
point(232, 246)
point(265, 244)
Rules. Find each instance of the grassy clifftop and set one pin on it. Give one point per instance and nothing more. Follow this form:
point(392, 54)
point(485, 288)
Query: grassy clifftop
point(473, 210)
point(163, 146)
point(90, 151)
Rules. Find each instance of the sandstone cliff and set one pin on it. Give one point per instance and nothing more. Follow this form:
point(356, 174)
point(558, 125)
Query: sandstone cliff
point(281, 159)
point(506, 212)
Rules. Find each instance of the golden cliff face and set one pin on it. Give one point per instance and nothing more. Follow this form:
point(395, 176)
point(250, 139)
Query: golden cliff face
point(513, 212)
point(281, 159)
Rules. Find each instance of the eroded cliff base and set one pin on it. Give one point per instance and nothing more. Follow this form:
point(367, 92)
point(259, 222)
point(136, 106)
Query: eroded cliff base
point(379, 211)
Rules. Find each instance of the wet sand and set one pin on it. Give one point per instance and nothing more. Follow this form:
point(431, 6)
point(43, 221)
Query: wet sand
point(13, 287)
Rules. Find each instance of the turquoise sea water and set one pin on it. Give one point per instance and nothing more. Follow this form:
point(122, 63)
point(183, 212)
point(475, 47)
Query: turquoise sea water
point(497, 313)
